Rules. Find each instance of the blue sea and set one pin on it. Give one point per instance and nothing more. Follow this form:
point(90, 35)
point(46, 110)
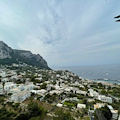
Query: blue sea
point(100, 73)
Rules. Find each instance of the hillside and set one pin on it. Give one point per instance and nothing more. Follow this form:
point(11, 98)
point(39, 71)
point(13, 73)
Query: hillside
point(10, 56)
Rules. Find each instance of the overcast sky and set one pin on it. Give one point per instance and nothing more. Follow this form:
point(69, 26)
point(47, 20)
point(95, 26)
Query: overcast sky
point(64, 32)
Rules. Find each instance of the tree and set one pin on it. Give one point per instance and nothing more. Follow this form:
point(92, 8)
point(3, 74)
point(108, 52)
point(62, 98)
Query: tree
point(6, 115)
point(43, 86)
point(3, 87)
point(1, 100)
point(35, 110)
point(84, 111)
point(118, 16)
point(31, 98)
point(119, 110)
point(103, 92)
point(103, 112)
point(60, 115)
point(35, 118)
point(22, 117)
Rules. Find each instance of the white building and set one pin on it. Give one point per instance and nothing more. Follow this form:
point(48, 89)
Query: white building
point(105, 99)
point(14, 77)
point(5, 80)
point(41, 92)
point(21, 96)
point(55, 91)
point(79, 106)
point(59, 105)
point(68, 89)
point(7, 87)
point(93, 93)
point(3, 74)
point(81, 92)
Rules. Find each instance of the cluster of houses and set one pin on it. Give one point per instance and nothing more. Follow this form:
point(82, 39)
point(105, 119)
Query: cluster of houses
point(62, 85)
point(99, 97)
point(18, 92)
point(65, 82)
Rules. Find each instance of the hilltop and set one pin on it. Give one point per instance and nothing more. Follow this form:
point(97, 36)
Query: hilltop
point(10, 56)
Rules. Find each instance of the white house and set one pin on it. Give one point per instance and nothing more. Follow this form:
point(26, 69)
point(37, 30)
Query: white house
point(7, 87)
point(74, 99)
point(5, 80)
point(59, 105)
point(68, 89)
point(81, 92)
point(79, 106)
point(3, 74)
point(14, 77)
point(93, 93)
point(41, 92)
point(21, 96)
point(55, 91)
point(105, 99)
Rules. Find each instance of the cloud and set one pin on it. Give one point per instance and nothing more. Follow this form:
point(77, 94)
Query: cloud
point(64, 32)
point(47, 38)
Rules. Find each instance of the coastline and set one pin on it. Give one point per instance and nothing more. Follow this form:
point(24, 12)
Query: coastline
point(109, 74)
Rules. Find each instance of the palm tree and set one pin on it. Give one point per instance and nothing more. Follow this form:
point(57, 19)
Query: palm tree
point(117, 18)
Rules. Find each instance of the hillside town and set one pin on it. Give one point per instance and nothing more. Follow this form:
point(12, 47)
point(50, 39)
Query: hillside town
point(20, 83)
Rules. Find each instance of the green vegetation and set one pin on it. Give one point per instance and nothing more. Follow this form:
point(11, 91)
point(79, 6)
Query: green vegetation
point(116, 92)
point(103, 112)
point(43, 106)
point(35, 110)
point(1, 99)
point(15, 112)
point(43, 86)
point(61, 115)
point(51, 98)
point(70, 104)
point(6, 115)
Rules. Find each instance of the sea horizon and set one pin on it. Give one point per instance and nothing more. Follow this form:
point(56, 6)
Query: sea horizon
point(108, 73)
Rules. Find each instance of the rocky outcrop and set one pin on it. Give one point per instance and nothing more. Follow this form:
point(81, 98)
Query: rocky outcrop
point(9, 56)
point(5, 51)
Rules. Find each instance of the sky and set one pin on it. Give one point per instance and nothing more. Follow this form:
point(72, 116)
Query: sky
point(63, 32)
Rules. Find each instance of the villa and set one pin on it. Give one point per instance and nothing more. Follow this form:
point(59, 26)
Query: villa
point(105, 99)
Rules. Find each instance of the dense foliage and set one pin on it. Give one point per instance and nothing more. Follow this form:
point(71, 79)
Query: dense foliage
point(61, 115)
point(103, 113)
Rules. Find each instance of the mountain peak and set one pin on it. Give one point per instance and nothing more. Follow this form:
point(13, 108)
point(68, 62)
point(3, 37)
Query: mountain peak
point(1, 42)
point(10, 56)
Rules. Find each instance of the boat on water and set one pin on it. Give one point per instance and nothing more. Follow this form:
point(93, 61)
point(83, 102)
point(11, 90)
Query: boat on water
point(105, 79)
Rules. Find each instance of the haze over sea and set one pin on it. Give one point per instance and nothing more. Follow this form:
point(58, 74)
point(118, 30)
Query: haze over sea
point(108, 73)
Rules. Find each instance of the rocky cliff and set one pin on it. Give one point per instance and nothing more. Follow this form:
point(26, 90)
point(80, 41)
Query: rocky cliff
point(9, 56)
